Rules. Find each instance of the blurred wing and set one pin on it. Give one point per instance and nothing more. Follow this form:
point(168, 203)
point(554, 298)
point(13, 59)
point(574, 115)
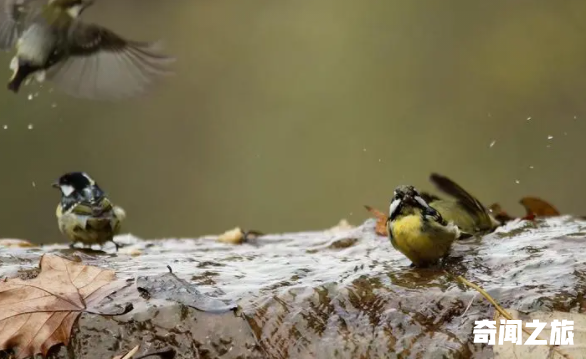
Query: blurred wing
point(103, 66)
point(471, 204)
point(13, 14)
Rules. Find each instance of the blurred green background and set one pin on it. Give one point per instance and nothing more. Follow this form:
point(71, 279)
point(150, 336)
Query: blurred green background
point(290, 115)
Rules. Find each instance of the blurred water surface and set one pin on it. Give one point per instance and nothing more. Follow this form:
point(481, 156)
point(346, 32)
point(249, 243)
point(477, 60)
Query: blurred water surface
point(290, 115)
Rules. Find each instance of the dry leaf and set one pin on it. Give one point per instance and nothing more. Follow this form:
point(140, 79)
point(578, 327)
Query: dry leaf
point(131, 251)
point(343, 225)
point(512, 351)
point(18, 243)
point(381, 221)
point(39, 313)
point(129, 354)
point(537, 207)
point(238, 236)
point(233, 236)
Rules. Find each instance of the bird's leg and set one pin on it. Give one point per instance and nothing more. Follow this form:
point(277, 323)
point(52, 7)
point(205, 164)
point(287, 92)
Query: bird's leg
point(118, 245)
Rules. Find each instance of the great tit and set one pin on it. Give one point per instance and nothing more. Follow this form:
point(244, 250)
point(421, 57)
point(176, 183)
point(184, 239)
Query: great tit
point(83, 60)
point(423, 227)
point(85, 214)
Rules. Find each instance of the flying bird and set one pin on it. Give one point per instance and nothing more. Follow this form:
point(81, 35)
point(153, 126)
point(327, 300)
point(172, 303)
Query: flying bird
point(81, 59)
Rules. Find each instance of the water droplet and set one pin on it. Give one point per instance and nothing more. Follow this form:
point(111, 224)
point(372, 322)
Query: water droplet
point(30, 126)
point(379, 160)
point(30, 97)
point(517, 181)
point(549, 137)
point(5, 127)
point(529, 118)
point(34, 184)
point(492, 143)
point(53, 105)
point(364, 149)
point(531, 167)
point(575, 117)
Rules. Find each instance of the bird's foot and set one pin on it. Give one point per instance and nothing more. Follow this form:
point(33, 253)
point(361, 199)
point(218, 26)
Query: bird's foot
point(118, 245)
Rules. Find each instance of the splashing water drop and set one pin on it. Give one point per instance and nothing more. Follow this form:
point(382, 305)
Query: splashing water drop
point(30, 126)
point(492, 143)
point(549, 137)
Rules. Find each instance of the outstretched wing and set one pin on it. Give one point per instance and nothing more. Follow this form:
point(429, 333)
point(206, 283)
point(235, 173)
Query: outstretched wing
point(101, 65)
point(13, 15)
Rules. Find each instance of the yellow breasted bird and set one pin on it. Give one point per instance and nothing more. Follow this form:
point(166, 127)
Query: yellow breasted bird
point(85, 214)
point(423, 227)
point(81, 59)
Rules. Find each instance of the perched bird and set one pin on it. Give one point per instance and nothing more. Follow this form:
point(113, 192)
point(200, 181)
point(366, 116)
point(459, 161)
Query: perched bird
point(424, 231)
point(85, 214)
point(83, 60)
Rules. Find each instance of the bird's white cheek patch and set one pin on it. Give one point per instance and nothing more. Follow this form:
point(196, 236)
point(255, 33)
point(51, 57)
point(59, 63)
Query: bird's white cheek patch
point(394, 206)
point(421, 201)
point(66, 190)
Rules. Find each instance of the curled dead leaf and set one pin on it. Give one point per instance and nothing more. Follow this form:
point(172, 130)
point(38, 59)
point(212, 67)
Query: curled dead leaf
point(39, 313)
point(343, 225)
point(15, 243)
point(238, 236)
point(381, 221)
point(536, 207)
point(131, 251)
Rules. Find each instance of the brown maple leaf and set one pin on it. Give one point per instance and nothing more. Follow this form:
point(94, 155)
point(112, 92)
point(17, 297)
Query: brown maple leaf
point(381, 221)
point(39, 313)
point(536, 207)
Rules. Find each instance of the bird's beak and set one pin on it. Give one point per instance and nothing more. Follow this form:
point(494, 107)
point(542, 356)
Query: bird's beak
point(55, 184)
